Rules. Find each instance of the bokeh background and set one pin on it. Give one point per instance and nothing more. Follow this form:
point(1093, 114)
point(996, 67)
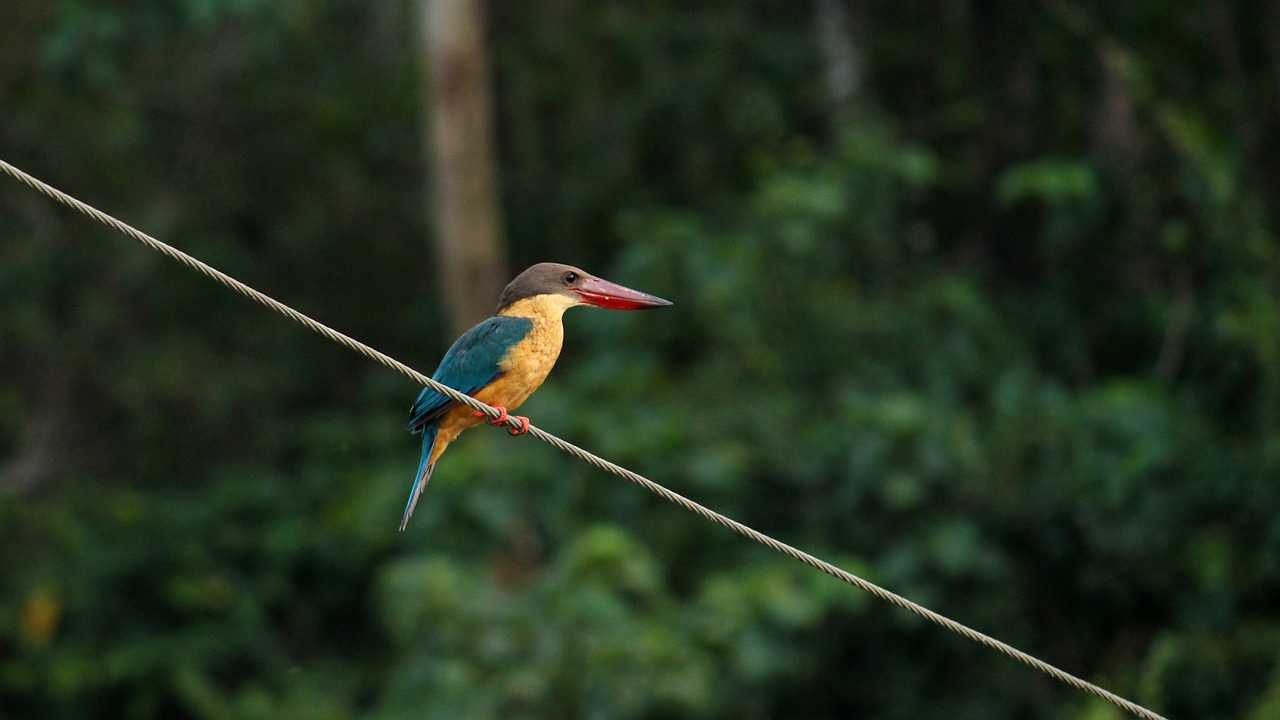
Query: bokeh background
point(977, 298)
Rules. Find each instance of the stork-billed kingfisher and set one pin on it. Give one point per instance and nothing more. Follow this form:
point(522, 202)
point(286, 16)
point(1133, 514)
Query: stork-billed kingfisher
point(504, 359)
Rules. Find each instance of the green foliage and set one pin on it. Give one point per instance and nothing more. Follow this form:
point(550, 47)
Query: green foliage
point(1003, 335)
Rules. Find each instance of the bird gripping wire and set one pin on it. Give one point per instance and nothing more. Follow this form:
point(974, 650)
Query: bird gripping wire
point(514, 424)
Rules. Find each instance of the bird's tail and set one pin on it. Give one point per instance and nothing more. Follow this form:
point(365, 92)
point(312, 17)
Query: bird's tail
point(424, 473)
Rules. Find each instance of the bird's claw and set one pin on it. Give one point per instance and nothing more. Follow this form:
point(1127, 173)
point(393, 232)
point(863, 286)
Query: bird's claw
point(524, 426)
point(502, 420)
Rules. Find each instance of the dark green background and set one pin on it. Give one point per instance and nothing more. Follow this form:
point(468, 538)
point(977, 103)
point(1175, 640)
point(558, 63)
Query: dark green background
point(1001, 333)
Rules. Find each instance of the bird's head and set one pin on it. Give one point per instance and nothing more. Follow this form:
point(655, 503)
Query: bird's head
point(576, 287)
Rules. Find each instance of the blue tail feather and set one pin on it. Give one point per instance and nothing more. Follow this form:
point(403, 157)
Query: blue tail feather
point(424, 472)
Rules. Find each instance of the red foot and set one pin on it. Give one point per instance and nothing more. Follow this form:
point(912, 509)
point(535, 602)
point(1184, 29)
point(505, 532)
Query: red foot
point(524, 426)
point(502, 420)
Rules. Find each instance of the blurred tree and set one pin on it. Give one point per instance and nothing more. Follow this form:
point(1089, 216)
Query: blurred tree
point(839, 24)
point(1006, 340)
point(467, 208)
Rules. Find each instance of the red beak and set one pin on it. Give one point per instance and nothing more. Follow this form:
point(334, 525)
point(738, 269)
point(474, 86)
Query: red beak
point(611, 296)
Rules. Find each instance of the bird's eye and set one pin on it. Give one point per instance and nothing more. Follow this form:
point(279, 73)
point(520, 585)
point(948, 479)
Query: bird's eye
point(570, 278)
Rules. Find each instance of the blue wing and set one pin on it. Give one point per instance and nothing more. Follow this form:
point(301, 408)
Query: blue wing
point(470, 365)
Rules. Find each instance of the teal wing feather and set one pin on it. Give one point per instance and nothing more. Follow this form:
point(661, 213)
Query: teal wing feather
point(469, 365)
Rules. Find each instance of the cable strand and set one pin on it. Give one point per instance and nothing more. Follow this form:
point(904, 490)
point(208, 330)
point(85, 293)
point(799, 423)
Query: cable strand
point(595, 460)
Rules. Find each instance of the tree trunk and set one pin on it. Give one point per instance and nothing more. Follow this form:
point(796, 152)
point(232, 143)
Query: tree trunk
point(839, 25)
point(466, 212)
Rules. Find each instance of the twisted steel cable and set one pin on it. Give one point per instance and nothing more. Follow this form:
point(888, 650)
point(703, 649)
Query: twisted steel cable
point(568, 447)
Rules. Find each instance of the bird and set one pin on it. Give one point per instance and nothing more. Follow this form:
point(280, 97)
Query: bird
point(502, 360)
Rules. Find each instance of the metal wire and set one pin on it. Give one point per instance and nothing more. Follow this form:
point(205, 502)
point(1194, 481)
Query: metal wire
point(578, 452)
